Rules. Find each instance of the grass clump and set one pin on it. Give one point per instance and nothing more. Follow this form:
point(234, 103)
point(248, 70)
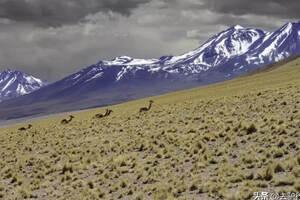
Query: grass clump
point(251, 129)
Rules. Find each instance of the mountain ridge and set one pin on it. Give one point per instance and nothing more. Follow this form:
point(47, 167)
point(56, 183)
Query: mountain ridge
point(231, 53)
point(257, 44)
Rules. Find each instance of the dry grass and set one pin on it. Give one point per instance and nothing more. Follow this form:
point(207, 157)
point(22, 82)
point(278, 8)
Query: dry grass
point(223, 141)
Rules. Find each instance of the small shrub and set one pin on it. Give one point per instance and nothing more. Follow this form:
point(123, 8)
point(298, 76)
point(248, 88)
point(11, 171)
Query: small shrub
point(67, 168)
point(90, 184)
point(269, 173)
point(296, 171)
point(251, 129)
point(278, 153)
point(280, 144)
point(297, 186)
point(193, 187)
point(284, 182)
point(278, 168)
point(123, 184)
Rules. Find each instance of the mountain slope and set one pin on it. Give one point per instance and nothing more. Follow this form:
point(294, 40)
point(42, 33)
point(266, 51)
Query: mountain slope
point(226, 55)
point(222, 141)
point(15, 83)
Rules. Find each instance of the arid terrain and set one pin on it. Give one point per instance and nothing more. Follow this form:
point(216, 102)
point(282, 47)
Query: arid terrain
point(223, 141)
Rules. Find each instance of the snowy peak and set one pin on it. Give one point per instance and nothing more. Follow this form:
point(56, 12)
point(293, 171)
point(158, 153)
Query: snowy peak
point(126, 60)
point(275, 46)
point(290, 27)
point(234, 51)
point(15, 83)
point(236, 43)
point(120, 60)
point(238, 27)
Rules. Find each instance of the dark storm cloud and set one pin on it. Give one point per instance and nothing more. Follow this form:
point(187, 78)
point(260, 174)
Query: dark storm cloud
point(59, 12)
point(279, 8)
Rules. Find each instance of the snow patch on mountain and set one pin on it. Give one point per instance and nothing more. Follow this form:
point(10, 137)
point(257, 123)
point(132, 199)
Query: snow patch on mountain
point(15, 83)
point(95, 76)
point(126, 60)
point(8, 83)
point(237, 27)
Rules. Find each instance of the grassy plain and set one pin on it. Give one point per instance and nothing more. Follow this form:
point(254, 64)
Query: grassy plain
point(223, 141)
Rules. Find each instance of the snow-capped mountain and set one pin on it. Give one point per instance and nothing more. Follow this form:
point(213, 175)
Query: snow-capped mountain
point(15, 83)
point(228, 54)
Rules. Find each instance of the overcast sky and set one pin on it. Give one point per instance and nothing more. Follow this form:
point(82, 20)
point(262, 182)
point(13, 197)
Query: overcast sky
point(53, 38)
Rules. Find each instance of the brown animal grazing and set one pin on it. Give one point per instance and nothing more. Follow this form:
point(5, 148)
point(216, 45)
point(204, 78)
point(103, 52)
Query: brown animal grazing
point(25, 129)
point(145, 109)
point(101, 115)
point(66, 121)
point(108, 113)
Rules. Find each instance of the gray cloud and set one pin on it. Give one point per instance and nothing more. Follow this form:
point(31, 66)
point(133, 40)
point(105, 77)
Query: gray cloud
point(54, 38)
point(59, 12)
point(279, 8)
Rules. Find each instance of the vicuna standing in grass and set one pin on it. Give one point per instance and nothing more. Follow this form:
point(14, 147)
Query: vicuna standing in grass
point(101, 115)
point(145, 109)
point(107, 113)
point(66, 121)
point(24, 129)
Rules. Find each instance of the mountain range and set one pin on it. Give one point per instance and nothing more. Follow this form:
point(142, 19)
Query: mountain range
point(226, 55)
